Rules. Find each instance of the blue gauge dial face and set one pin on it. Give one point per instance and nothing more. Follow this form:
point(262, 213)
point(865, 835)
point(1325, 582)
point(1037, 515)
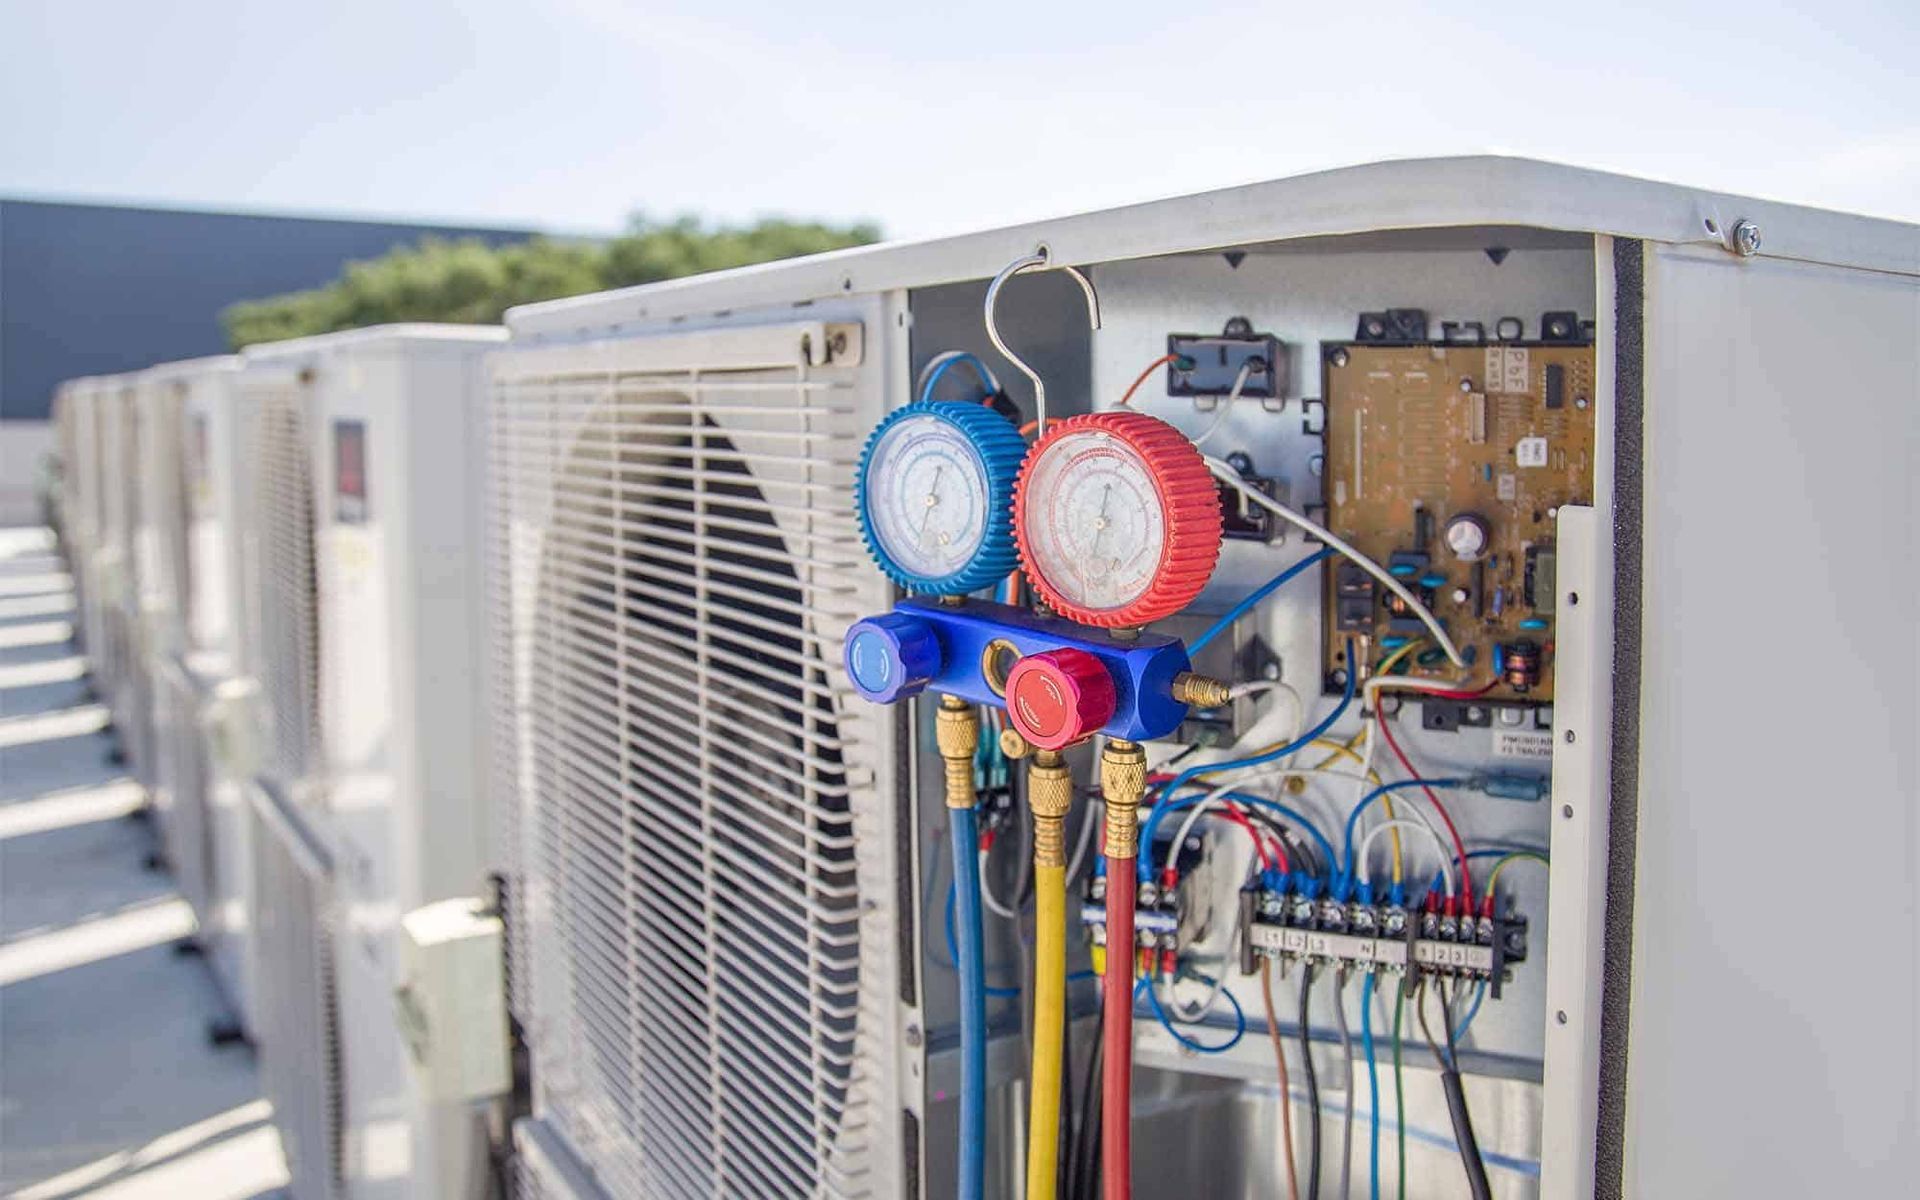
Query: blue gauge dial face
point(927, 496)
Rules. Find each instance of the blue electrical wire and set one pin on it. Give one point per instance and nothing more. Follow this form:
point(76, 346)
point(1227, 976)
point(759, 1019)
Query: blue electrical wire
point(1183, 778)
point(1255, 597)
point(1397, 785)
point(1373, 1089)
point(1166, 1022)
point(1291, 814)
point(973, 360)
point(964, 833)
point(1473, 1010)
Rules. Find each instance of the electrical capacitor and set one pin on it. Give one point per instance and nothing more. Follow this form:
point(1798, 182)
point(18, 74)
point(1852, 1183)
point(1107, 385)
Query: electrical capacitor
point(1468, 537)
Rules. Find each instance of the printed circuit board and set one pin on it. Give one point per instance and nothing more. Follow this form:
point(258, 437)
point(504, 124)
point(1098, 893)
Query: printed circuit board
point(1448, 464)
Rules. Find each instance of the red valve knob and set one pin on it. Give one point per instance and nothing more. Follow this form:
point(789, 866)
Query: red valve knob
point(1057, 698)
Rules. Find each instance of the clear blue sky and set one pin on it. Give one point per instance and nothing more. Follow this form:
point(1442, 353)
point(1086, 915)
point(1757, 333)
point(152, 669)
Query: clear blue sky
point(931, 119)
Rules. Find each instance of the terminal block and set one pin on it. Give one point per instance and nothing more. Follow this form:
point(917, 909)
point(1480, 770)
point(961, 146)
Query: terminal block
point(1165, 919)
point(1301, 926)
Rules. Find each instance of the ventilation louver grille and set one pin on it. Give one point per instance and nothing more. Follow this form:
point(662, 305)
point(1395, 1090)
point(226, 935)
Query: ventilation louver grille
point(684, 786)
point(285, 606)
point(297, 1009)
point(169, 518)
point(183, 770)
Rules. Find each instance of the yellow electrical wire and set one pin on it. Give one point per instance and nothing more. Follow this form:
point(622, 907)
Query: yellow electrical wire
point(1049, 1025)
point(1494, 878)
point(1346, 750)
point(1386, 802)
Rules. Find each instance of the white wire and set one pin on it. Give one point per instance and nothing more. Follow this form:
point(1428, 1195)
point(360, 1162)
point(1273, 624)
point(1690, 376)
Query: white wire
point(1424, 826)
point(1402, 683)
point(1373, 688)
point(1218, 985)
point(1279, 774)
point(1231, 478)
point(1233, 396)
point(1241, 691)
point(987, 897)
point(1096, 818)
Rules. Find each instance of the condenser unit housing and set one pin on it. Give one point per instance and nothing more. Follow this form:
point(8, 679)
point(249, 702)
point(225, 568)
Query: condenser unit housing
point(189, 546)
point(726, 944)
point(361, 624)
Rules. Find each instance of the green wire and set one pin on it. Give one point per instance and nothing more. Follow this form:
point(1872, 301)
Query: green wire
point(1399, 1095)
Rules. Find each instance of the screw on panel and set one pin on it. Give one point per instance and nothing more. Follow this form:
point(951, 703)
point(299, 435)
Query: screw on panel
point(1746, 239)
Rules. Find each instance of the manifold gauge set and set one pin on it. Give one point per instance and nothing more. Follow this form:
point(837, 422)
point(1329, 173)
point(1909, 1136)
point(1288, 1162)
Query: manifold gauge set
point(1104, 524)
point(1113, 520)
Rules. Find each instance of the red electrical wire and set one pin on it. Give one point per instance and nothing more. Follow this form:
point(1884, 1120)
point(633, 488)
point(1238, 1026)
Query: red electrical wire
point(1116, 989)
point(1260, 845)
point(1153, 366)
point(1459, 847)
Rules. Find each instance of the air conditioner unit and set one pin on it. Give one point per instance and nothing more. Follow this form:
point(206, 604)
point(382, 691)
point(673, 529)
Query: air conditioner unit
point(706, 969)
point(363, 605)
point(1554, 416)
point(66, 494)
point(201, 698)
point(118, 661)
point(80, 504)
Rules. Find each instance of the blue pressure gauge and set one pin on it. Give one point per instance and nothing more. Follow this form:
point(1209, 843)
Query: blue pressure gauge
point(935, 496)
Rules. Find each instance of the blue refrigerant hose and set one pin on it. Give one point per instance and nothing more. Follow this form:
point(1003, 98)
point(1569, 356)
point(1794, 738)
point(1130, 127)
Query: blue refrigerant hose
point(964, 837)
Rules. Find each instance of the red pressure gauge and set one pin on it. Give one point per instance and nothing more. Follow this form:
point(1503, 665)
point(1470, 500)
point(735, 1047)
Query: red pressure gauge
point(1117, 519)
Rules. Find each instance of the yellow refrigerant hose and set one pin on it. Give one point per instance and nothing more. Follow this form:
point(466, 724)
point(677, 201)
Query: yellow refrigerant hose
point(1050, 795)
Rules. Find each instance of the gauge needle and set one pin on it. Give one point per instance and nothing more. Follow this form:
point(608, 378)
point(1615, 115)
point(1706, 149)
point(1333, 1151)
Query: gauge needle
point(1100, 520)
point(933, 499)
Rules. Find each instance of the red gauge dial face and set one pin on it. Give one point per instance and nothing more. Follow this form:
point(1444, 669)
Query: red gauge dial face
point(1117, 518)
point(1096, 527)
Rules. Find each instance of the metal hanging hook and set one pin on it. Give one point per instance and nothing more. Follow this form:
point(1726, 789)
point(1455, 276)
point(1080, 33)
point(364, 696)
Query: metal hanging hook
point(1036, 261)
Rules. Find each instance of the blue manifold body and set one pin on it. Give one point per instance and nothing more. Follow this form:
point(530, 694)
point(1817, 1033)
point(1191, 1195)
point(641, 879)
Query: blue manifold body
point(924, 644)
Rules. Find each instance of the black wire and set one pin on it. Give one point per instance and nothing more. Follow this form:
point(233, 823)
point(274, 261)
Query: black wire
point(1084, 1178)
point(1181, 757)
point(1426, 1030)
point(1313, 1087)
point(1470, 1159)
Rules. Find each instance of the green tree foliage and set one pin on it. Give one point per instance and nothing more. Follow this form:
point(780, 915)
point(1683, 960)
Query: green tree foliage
point(467, 281)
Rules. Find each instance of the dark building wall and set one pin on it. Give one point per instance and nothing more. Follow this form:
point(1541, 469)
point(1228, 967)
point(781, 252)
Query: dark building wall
point(92, 289)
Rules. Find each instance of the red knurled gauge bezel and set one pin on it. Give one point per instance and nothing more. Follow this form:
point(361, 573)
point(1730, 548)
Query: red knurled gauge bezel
point(1187, 495)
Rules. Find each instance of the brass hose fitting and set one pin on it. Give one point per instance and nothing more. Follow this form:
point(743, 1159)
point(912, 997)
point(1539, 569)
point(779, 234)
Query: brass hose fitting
point(1050, 796)
point(956, 730)
point(1123, 781)
point(1199, 691)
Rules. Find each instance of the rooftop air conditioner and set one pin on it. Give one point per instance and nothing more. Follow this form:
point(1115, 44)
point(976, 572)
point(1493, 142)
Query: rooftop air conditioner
point(200, 697)
point(117, 658)
point(1573, 490)
point(706, 970)
point(363, 616)
point(80, 502)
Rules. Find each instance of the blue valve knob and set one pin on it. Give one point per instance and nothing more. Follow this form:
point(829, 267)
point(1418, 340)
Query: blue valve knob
point(891, 657)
